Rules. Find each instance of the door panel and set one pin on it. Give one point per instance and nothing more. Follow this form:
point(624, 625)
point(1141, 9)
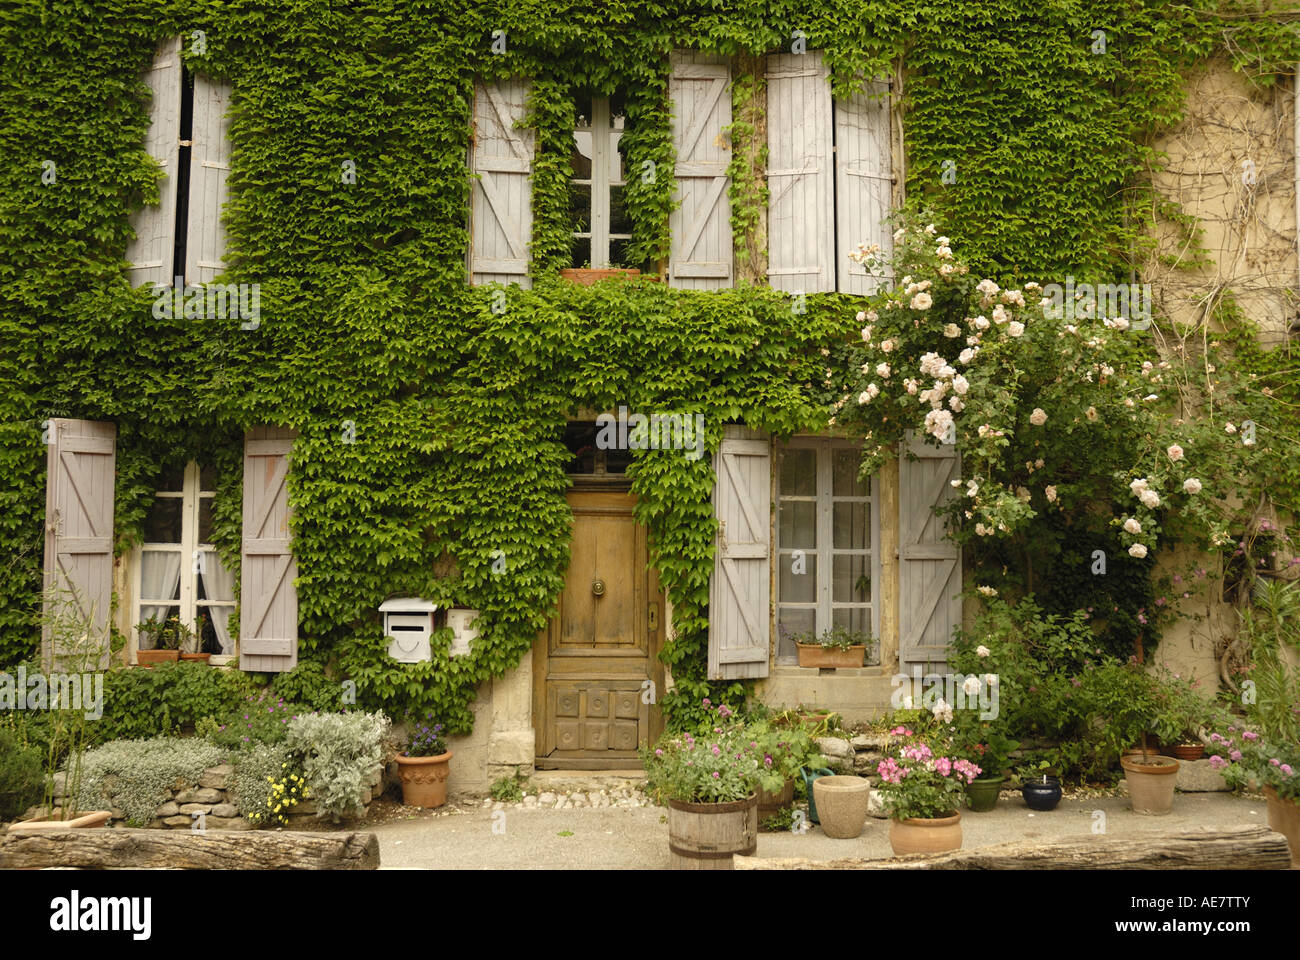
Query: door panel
point(591, 665)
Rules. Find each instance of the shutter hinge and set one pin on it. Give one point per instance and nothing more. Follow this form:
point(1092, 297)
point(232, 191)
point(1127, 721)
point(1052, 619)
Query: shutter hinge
point(185, 143)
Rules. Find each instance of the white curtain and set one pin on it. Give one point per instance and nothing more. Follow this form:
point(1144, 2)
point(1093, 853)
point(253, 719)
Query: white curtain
point(160, 579)
point(219, 584)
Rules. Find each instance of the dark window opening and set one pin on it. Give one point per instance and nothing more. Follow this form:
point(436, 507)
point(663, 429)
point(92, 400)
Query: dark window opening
point(183, 174)
point(588, 459)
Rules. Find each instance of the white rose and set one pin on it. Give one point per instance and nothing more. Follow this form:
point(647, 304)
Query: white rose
point(886, 346)
point(1150, 499)
point(1175, 452)
point(882, 370)
point(922, 301)
point(1000, 314)
point(956, 404)
point(1229, 428)
point(864, 397)
point(981, 323)
point(1137, 550)
point(971, 686)
point(966, 356)
point(1192, 485)
point(951, 330)
point(982, 651)
point(1091, 413)
point(1038, 417)
point(1138, 485)
point(862, 316)
point(1050, 493)
point(1015, 328)
point(1132, 525)
point(960, 385)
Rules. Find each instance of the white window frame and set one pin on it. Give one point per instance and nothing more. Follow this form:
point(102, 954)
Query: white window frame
point(600, 183)
point(825, 551)
point(190, 549)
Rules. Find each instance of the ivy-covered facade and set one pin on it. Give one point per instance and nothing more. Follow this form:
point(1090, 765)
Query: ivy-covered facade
point(428, 421)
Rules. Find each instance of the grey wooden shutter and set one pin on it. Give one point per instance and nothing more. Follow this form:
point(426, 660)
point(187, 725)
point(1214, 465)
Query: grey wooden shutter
point(205, 245)
point(80, 472)
point(930, 574)
point(501, 205)
point(701, 254)
point(800, 165)
point(150, 253)
point(268, 601)
point(739, 611)
point(863, 183)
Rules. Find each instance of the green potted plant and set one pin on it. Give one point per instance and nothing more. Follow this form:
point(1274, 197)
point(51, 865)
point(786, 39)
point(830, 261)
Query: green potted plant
point(191, 647)
point(790, 748)
point(1181, 714)
point(711, 785)
point(984, 743)
point(163, 640)
point(835, 648)
point(922, 792)
point(424, 763)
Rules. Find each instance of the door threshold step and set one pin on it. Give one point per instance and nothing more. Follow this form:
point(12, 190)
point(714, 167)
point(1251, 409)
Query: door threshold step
point(585, 780)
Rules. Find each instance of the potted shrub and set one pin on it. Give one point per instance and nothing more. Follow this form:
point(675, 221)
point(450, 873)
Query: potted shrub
point(1248, 760)
point(790, 749)
point(835, 648)
point(164, 641)
point(922, 793)
point(711, 784)
point(1151, 778)
point(1182, 713)
point(424, 763)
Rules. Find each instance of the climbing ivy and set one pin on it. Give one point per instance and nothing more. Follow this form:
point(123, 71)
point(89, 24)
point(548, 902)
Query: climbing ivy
point(366, 317)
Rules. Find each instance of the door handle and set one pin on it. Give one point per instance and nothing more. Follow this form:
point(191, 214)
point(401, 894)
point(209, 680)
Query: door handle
point(598, 587)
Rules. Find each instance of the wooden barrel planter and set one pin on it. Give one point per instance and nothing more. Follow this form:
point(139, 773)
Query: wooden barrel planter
point(705, 836)
point(773, 801)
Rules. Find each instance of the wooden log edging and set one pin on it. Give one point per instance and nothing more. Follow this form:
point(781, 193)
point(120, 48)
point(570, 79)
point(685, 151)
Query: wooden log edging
point(185, 850)
point(1210, 848)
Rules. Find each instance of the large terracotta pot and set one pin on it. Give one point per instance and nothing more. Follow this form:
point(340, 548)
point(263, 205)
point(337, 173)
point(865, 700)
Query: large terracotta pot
point(916, 835)
point(1150, 783)
point(424, 779)
point(842, 805)
point(815, 655)
point(1284, 817)
point(705, 836)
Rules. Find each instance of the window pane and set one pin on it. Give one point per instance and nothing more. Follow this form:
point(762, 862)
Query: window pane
point(851, 525)
point(172, 480)
point(207, 478)
point(580, 207)
point(799, 473)
point(791, 623)
point(581, 255)
point(618, 252)
point(857, 619)
point(797, 524)
point(580, 439)
point(616, 164)
point(619, 219)
point(147, 638)
point(580, 158)
point(845, 481)
point(851, 582)
point(163, 522)
point(205, 519)
point(797, 578)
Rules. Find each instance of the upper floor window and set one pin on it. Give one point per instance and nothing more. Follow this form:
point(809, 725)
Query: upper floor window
point(602, 229)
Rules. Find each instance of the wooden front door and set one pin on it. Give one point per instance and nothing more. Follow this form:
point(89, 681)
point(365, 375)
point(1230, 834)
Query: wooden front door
point(591, 701)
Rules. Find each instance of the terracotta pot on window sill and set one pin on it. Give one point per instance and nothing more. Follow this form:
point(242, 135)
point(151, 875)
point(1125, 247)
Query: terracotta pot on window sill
point(196, 657)
point(147, 658)
point(586, 276)
point(815, 655)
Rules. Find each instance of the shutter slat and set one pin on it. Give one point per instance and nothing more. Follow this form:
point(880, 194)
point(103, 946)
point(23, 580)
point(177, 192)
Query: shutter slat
point(268, 612)
point(739, 591)
point(864, 184)
point(701, 255)
point(501, 205)
point(800, 217)
point(149, 254)
point(205, 244)
point(930, 569)
point(80, 474)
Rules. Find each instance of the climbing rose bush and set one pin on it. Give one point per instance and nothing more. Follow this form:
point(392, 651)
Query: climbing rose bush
point(1049, 412)
point(917, 782)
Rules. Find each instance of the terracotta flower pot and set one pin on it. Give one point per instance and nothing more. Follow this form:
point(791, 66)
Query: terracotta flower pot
point(815, 655)
point(1186, 751)
point(196, 657)
point(83, 821)
point(705, 836)
point(917, 835)
point(1150, 783)
point(842, 805)
point(424, 779)
point(1284, 817)
point(147, 658)
point(586, 276)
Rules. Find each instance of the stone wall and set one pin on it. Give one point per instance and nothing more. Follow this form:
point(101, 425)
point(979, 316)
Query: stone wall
point(213, 796)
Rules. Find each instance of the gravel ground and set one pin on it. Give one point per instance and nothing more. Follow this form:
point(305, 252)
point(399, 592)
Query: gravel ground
point(620, 829)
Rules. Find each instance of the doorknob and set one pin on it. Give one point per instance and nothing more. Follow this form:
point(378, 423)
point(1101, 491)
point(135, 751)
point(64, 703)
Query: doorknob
point(598, 587)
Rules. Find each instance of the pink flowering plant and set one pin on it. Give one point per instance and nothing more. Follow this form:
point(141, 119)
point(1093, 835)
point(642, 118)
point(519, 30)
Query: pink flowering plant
point(1248, 760)
point(916, 782)
point(718, 764)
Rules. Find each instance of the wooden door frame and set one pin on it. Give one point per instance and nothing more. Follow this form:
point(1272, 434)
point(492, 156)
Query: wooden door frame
point(654, 645)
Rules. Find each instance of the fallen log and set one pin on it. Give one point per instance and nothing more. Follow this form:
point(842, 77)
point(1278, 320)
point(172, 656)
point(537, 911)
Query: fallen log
point(1226, 848)
point(187, 850)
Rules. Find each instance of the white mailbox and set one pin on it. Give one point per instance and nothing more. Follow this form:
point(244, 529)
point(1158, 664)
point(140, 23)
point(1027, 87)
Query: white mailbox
point(408, 623)
point(459, 619)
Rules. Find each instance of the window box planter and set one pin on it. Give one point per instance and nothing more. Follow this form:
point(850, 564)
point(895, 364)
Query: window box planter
point(147, 658)
point(586, 276)
point(815, 655)
point(196, 657)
